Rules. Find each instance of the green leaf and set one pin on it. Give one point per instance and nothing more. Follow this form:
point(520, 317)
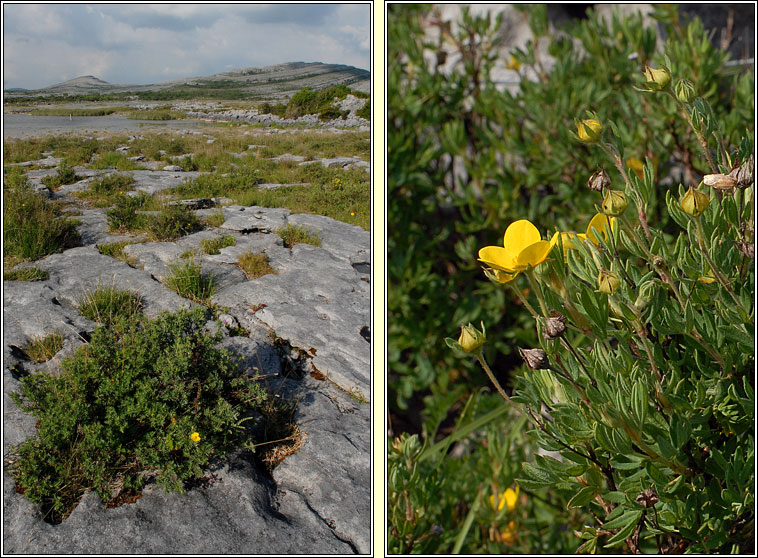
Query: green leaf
point(582, 498)
point(626, 530)
point(615, 496)
point(623, 520)
point(655, 474)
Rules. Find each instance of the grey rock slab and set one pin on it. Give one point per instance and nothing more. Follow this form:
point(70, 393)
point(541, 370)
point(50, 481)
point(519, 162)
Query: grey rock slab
point(340, 239)
point(316, 301)
point(331, 472)
point(254, 218)
point(150, 181)
point(237, 514)
point(83, 269)
point(94, 229)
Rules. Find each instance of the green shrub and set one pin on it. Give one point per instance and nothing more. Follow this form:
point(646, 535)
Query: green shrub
point(151, 398)
point(64, 175)
point(255, 264)
point(188, 280)
point(214, 245)
point(297, 234)
point(632, 425)
point(103, 192)
point(364, 111)
point(32, 225)
point(108, 304)
point(42, 349)
point(26, 274)
point(214, 220)
point(114, 159)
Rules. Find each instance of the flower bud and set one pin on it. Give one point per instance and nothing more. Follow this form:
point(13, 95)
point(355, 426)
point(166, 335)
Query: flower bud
point(657, 79)
point(607, 282)
point(554, 326)
point(685, 90)
point(599, 180)
point(645, 296)
point(614, 203)
point(536, 359)
point(694, 202)
point(589, 131)
point(719, 181)
point(743, 174)
point(470, 339)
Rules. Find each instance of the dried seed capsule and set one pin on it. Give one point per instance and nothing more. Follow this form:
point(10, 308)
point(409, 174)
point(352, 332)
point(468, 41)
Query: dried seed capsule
point(720, 181)
point(743, 174)
point(536, 359)
point(555, 326)
point(599, 180)
point(647, 497)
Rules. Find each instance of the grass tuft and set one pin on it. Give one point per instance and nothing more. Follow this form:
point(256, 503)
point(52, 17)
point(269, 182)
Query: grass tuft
point(255, 265)
point(107, 304)
point(297, 234)
point(187, 280)
point(214, 245)
point(26, 274)
point(116, 250)
point(42, 349)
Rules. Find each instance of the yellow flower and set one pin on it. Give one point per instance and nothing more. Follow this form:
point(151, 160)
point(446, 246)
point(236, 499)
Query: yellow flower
point(195, 437)
point(522, 247)
point(508, 535)
point(513, 64)
point(509, 498)
point(352, 213)
point(589, 131)
point(598, 225)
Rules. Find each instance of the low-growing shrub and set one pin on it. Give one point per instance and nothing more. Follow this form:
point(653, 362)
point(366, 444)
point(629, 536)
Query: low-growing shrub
point(64, 175)
point(42, 349)
point(215, 219)
point(188, 280)
point(255, 264)
point(214, 245)
point(103, 192)
point(297, 234)
point(108, 304)
point(24, 273)
point(364, 111)
point(149, 399)
point(114, 159)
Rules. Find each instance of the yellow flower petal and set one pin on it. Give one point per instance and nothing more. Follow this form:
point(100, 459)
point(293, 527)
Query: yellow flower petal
point(498, 257)
point(534, 254)
point(511, 497)
point(599, 224)
point(519, 235)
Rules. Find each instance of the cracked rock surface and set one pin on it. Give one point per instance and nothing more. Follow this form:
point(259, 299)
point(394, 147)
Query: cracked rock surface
point(316, 306)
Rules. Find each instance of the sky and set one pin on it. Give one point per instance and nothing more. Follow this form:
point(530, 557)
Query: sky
point(138, 43)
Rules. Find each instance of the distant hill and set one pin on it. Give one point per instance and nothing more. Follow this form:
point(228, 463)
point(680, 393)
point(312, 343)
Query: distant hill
point(281, 80)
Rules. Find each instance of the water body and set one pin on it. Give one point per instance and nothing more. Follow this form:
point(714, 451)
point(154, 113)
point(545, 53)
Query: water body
point(25, 125)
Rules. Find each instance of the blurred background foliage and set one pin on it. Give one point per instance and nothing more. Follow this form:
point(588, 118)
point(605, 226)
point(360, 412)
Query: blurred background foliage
point(468, 156)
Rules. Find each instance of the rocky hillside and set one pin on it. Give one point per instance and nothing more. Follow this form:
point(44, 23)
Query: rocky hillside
point(280, 80)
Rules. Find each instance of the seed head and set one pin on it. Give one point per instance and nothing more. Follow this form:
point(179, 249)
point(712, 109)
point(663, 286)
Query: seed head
point(743, 174)
point(536, 359)
point(555, 326)
point(599, 180)
point(647, 497)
